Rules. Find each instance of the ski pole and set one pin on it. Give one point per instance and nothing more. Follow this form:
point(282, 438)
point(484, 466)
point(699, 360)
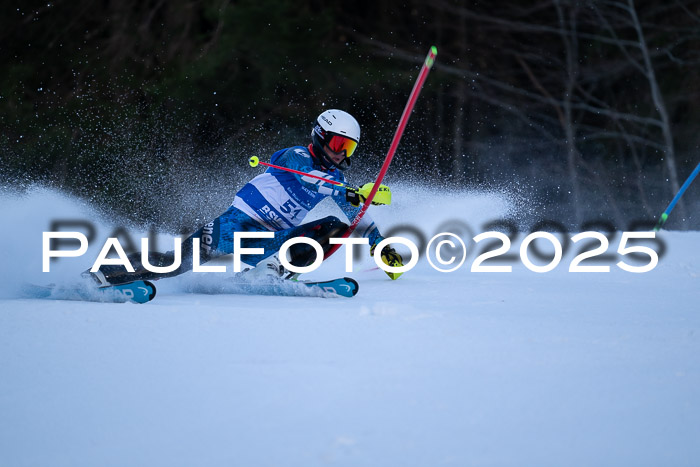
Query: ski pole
point(670, 207)
point(254, 162)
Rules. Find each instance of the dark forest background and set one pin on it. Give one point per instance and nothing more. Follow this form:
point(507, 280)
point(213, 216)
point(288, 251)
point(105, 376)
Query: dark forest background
point(588, 110)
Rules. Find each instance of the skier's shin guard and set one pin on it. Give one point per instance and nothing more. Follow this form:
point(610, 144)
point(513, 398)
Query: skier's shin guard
point(117, 274)
point(112, 274)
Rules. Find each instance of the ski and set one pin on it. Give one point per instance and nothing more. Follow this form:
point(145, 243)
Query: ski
point(341, 287)
point(345, 286)
point(134, 292)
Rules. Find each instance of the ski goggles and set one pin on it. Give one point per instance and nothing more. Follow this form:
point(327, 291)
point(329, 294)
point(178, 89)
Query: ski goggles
point(339, 144)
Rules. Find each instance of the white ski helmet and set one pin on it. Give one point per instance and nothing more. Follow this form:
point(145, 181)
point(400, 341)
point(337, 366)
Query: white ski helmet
point(340, 132)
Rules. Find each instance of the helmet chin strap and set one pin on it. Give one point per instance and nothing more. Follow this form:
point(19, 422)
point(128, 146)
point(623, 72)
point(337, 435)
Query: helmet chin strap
point(313, 149)
point(326, 161)
point(344, 164)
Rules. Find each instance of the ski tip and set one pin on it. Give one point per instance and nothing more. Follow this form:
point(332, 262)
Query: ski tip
point(136, 292)
point(152, 295)
point(355, 285)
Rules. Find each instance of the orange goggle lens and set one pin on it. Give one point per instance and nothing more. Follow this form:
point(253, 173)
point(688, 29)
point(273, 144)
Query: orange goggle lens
point(341, 143)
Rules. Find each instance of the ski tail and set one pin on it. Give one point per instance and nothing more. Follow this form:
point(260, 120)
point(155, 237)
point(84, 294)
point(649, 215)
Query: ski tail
point(134, 292)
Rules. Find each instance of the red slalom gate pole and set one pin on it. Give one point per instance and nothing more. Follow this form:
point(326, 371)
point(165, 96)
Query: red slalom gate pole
point(422, 75)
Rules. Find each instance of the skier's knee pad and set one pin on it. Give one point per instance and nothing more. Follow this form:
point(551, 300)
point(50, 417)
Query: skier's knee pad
point(327, 228)
point(322, 231)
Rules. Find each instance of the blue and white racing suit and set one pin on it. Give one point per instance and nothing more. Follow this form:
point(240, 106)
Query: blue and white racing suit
point(278, 201)
point(275, 201)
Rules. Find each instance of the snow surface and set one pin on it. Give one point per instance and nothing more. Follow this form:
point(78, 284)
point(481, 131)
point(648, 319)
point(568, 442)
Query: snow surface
point(461, 368)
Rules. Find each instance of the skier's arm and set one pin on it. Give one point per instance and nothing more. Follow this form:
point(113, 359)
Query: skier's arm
point(301, 161)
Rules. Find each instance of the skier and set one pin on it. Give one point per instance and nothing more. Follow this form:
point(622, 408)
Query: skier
point(278, 201)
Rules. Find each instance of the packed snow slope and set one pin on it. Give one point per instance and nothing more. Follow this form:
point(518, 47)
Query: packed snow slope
point(462, 368)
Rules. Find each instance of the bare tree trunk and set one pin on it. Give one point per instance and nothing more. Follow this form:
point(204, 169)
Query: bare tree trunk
point(458, 156)
point(670, 153)
point(568, 35)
